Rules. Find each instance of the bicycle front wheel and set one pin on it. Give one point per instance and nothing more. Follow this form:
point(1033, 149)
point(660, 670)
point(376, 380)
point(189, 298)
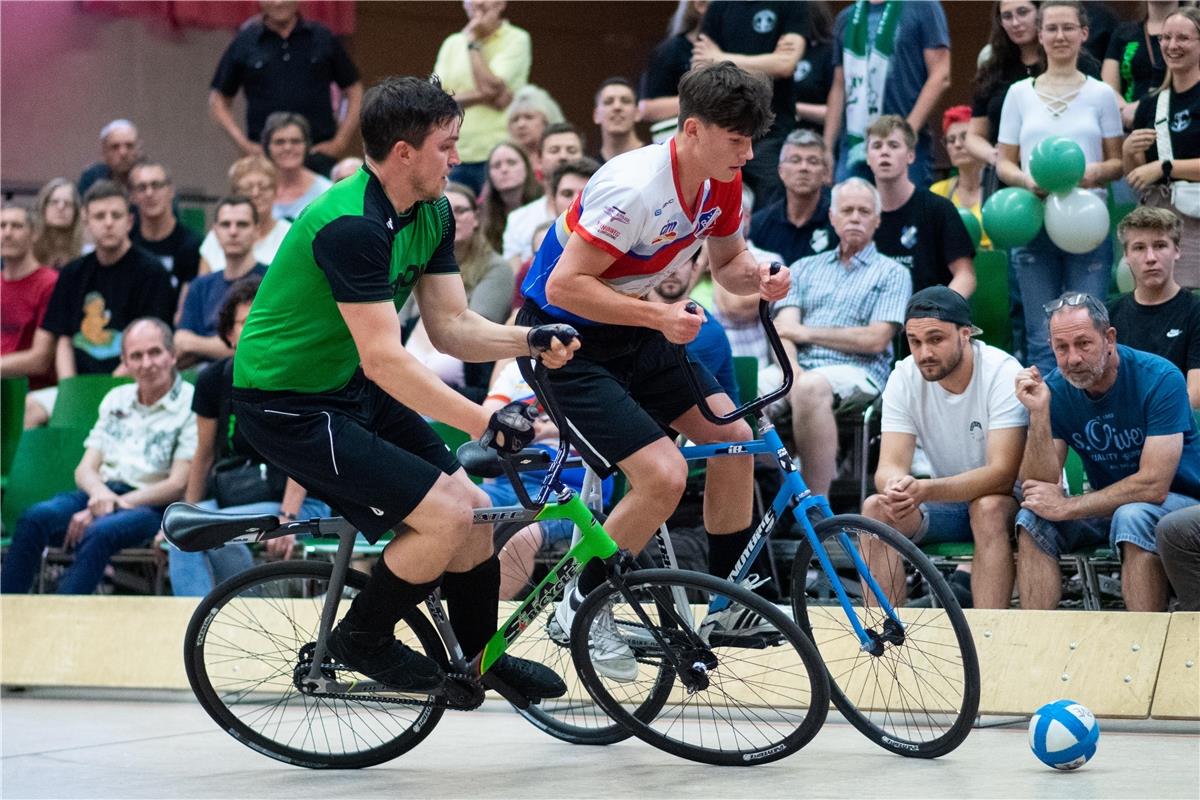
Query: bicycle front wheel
point(737, 701)
point(245, 649)
point(915, 691)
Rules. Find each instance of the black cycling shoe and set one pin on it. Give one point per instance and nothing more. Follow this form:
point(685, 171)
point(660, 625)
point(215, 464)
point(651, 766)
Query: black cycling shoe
point(381, 658)
point(535, 681)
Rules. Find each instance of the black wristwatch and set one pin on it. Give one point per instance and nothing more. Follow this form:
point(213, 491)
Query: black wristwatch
point(287, 516)
point(474, 46)
point(1167, 166)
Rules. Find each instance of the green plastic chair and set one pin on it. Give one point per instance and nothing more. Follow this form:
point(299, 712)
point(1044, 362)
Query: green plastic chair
point(78, 403)
point(12, 420)
point(990, 304)
point(194, 217)
point(43, 466)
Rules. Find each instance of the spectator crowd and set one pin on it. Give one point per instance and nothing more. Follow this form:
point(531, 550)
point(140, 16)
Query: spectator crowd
point(870, 185)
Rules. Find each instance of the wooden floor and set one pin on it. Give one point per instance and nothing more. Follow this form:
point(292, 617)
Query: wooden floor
point(124, 744)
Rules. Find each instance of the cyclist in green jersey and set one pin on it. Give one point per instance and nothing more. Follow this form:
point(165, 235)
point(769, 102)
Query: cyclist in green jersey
point(324, 389)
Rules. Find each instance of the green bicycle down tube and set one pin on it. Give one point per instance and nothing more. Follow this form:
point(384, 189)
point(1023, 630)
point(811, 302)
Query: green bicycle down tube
point(595, 543)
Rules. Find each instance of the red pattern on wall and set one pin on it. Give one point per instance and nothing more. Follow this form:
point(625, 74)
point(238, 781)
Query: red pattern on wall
point(230, 14)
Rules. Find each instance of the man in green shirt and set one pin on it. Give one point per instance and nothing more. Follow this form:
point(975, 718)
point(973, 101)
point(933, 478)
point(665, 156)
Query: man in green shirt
point(324, 389)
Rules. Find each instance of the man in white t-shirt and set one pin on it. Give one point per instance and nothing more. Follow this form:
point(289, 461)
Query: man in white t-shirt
point(561, 143)
point(954, 396)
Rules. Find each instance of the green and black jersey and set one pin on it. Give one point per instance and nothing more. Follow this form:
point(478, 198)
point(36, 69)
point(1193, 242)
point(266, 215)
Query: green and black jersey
point(348, 246)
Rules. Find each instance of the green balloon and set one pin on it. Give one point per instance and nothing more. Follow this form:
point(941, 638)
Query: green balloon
point(971, 223)
point(1057, 164)
point(1012, 217)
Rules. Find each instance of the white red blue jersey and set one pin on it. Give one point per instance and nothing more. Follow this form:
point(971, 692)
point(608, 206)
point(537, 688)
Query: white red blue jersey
point(632, 209)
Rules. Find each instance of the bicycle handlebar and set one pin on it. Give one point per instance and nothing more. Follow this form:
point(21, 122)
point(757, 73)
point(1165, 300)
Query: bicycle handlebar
point(754, 406)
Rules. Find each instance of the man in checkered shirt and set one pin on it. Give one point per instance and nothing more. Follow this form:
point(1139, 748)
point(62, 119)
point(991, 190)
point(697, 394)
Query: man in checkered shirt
point(837, 323)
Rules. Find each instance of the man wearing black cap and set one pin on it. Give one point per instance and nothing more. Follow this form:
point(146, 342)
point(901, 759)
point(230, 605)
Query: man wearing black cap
point(955, 395)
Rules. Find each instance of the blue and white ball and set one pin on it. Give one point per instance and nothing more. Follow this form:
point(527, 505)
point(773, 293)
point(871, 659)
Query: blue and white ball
point(1063, 734)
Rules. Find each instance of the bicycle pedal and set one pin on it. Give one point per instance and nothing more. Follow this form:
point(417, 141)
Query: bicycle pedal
point(752, 641)
point(500, 687)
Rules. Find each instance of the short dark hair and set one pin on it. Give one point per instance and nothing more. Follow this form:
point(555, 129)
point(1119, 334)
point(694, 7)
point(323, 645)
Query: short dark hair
point(404, 109)
point(142, 163)
point(243, 291)
point(557, 128)
point(583, 167)
point(277, 120)
point(236, 200)
point(728, 97)
point(102, 190)
point(616, 80)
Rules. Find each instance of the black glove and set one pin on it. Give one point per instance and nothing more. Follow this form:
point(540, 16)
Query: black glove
point(542, 337)
point(510, 430)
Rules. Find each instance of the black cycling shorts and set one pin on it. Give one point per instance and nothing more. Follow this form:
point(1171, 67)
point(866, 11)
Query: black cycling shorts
point(621, 391)
point(371, 458)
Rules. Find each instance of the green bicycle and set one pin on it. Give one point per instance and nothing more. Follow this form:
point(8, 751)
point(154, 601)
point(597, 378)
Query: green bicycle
point(256, 656)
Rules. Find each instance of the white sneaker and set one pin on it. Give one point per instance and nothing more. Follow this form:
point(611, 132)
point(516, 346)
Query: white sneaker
point(737, 625)
point(611, 655)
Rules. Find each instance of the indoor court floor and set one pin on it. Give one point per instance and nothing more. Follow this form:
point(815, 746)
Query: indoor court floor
point(63, 744)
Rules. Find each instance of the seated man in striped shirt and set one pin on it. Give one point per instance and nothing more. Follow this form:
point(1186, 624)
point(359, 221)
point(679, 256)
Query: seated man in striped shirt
point(838, 322)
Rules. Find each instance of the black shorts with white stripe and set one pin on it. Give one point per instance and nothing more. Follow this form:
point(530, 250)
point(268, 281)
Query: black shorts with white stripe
point(621, 391)
point(371, 458)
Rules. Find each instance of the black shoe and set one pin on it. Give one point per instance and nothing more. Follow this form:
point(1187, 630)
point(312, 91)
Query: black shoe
point(381, 658)
point(535, 681)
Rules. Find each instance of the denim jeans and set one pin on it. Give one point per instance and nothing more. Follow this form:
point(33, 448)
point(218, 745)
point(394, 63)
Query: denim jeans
point(195, 574)
point(1132, 522)
point(45, 525)
point(1044, 271)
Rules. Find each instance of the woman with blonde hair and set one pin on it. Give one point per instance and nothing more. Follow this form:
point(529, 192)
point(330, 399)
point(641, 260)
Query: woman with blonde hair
point(57, 223)
point(254, 177)
point(531, 110)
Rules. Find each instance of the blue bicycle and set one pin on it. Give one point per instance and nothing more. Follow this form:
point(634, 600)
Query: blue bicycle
point(904, 673)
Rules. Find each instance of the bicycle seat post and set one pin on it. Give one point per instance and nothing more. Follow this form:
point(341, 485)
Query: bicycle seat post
point(346, 533)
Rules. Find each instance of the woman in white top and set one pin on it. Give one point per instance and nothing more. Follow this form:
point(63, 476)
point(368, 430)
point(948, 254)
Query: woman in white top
point(286, 140)
point(1146, 169)
point(1062, 101)
point(254, 177)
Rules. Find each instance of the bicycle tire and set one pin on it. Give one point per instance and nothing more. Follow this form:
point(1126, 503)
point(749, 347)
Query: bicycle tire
point(575, 717)
point(766, 701)
point(242, 646)
point(936, 663)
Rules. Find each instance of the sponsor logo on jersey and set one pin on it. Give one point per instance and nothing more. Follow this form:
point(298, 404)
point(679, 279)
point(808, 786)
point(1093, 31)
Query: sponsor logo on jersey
point(667, 232)
point(908, 236)
point(609, 231)
point(706, 220)
point(616, 215)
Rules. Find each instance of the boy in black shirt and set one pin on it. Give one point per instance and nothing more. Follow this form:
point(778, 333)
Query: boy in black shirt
point(918, 228)
point(1158, 316)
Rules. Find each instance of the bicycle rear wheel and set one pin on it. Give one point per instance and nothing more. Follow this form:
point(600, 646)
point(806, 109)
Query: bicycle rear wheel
point(737, 703)
point(919, 696)
point(243, 652)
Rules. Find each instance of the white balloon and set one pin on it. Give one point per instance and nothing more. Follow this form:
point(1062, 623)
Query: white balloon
point(1124, 277)
point(1076, 221)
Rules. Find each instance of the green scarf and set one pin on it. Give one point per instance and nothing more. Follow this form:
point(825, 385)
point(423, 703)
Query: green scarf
point(865, 71)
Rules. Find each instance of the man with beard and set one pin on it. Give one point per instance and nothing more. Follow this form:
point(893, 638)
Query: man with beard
point(711, 346)
point(954, 394)
point(1126, 413)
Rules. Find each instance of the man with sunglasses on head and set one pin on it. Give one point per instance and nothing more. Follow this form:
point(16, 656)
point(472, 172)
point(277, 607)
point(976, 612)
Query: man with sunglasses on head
point(1126, 413)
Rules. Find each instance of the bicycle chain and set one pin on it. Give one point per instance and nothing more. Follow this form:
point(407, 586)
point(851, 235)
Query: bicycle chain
point(435, 702)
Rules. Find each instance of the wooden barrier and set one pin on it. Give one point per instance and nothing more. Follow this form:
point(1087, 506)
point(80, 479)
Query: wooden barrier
point(1119, 664)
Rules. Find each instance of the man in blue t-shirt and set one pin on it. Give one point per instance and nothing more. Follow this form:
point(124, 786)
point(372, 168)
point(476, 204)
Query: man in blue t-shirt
point(1126, 414)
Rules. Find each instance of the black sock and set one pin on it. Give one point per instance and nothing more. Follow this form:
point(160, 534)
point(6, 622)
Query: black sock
point(594, 573)
point(725, 549)
point(384, 600)
point(473, 598)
